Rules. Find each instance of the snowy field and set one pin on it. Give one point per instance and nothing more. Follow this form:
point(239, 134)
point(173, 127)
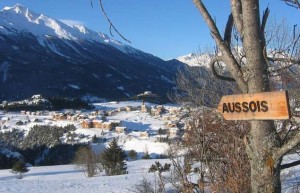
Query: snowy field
point(69, 179)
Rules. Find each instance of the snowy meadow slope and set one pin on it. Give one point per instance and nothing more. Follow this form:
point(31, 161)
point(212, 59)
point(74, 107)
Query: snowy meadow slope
point(69, 179)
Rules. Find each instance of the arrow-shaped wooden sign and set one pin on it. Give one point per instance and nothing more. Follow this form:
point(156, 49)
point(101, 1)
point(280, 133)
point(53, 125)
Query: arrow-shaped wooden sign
point(256, 106)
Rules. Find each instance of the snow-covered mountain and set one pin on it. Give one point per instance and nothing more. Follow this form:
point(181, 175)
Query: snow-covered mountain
point(39, 54)
point(19, 18)
point(196, 59)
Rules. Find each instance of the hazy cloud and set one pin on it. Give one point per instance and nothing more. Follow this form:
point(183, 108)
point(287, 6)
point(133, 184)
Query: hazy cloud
point(71, 22)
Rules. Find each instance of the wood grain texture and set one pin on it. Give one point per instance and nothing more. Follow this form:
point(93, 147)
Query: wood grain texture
point(276, 102)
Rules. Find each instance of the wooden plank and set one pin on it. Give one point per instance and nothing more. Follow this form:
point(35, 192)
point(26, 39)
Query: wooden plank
point(256, 106)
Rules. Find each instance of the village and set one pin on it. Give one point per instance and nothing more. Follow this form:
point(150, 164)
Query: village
point(114, 118)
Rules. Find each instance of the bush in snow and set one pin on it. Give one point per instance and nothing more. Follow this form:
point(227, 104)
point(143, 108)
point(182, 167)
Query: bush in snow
point(19, 168)
point(132, 154)
point(113, 159)
point(158, 167)
point(86, 159)
point(146, 155)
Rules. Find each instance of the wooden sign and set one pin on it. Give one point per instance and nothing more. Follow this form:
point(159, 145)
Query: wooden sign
point(256, 106)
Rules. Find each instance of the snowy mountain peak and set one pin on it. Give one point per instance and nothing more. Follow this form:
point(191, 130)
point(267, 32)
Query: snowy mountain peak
point(18, 19)
point(18, 8)
point(21, 11)
point(196, 59)
point(82, 29)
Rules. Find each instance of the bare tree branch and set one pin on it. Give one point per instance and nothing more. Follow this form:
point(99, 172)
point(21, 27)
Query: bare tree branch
point(111, 24)
point(293, 3)
point(210, 22)
point(291, 143)
point(288, 60)
point(236, 9)
point(285, 138)
point(262, 28)
point(289, 165)
point(291, 62)
point(215, 73)
point(228, 30)
point(228, 58)
point(264, 19)
point(296, 39)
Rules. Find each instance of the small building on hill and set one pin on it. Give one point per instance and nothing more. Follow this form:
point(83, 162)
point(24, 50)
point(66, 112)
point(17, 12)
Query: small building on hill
point(145, 109)
point(120, 129)
point(97, 123)
point(87, 123)
point(144, 134)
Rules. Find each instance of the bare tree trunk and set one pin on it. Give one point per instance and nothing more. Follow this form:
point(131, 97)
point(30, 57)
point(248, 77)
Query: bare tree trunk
point(265, 174)
point(264, 146)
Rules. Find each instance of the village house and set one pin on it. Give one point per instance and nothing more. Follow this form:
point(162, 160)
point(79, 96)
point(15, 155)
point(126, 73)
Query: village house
point(87, 123)
point(144, 134)
point(145, 109)
point(115, 123)
point(120, 129)
point(59, 116)
point(120, 109)
point(74, 118)
point(69, 117)
point(94, 113)
point(39, 113)
point(170, 124)
point(81, 117)
point(129, 108)
point(173, 132)
point(174, 110)
point(161, 109)
point(107, 125)
point(102, 113)
point(158, 110)
point(112, 113)
point(170, 118)
point(97, 123)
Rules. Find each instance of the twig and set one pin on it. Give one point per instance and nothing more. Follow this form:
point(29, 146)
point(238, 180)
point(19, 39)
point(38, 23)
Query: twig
point(111, 24)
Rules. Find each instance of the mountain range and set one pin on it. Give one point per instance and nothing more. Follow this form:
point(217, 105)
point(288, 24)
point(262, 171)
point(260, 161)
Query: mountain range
point(42, 55)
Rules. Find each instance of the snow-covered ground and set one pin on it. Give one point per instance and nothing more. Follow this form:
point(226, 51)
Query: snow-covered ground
point(69, 179)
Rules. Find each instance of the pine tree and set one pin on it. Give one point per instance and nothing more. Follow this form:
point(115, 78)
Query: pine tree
point(132, 154)
point(113, 159)
point(19, 168)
